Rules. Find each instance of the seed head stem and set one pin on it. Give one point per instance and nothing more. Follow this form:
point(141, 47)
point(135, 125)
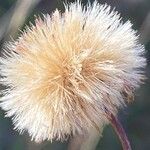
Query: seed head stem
point(120, 132)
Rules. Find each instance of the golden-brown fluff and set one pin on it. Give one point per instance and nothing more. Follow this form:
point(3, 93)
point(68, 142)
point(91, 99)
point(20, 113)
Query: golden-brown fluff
point(65, 71)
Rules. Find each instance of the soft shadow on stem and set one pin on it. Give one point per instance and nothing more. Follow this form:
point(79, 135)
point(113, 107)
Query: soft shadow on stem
point(87, 141)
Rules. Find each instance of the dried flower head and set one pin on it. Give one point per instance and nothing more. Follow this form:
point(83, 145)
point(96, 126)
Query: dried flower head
point(64, 72)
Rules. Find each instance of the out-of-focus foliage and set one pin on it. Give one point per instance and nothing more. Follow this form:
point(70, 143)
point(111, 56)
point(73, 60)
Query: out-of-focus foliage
point(135, 118)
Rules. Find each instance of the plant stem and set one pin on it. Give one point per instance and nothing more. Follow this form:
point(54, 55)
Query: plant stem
point(120, 132)
point(86, 142)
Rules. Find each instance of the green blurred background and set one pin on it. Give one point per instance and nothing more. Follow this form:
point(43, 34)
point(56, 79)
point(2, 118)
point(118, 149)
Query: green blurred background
point(135, 118)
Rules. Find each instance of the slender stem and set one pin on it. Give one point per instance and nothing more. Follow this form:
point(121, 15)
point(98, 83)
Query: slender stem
point(84, 142)
point(120, 132)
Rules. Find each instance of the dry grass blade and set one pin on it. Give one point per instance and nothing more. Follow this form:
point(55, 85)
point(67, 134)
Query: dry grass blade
point(145, 30)
point(15, 17)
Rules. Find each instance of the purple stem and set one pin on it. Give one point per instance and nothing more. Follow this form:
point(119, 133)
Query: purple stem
point(120, 131)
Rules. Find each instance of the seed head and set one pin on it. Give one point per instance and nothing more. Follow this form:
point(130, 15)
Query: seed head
point(64, 72)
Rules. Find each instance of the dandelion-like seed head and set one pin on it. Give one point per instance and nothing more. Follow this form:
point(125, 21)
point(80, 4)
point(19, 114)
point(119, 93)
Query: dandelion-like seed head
point(64, 72)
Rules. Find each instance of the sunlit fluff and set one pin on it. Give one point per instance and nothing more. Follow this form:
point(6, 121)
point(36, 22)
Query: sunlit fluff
point(65, 71)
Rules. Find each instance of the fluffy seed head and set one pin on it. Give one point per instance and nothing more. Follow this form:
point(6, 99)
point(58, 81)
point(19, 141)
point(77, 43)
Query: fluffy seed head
point(63, 72)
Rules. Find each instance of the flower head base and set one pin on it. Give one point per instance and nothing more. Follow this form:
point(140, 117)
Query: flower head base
point(65, 71)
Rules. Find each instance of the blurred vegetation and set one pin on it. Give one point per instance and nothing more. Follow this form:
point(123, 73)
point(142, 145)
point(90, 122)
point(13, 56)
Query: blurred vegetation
point(135, 118)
